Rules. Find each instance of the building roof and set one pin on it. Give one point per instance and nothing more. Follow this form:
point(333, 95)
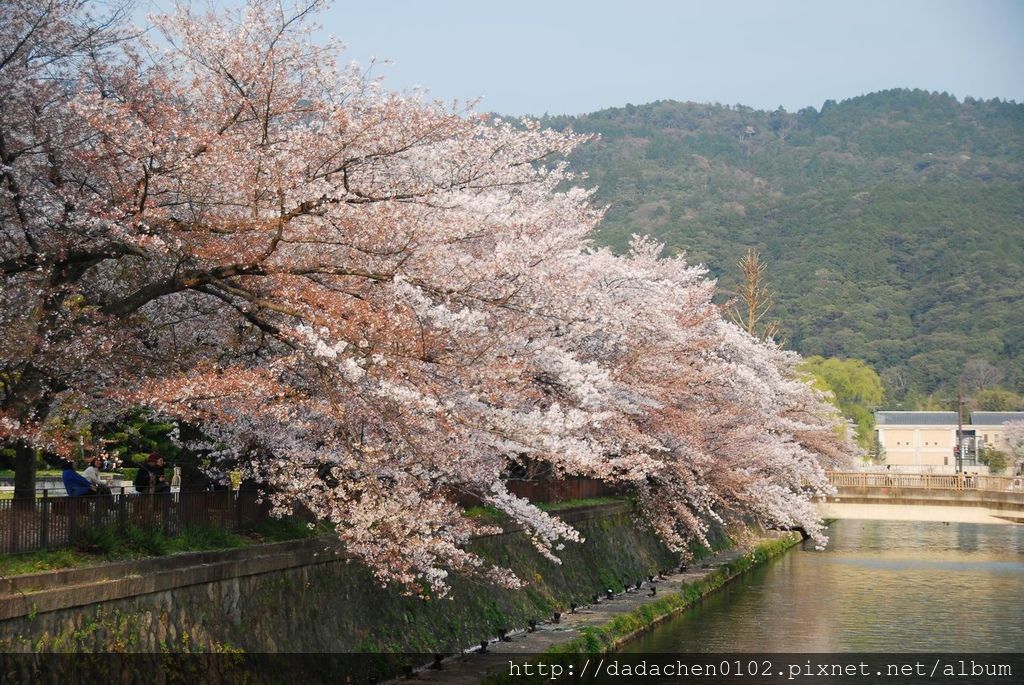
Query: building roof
point(915, 418)
point(944, 418)
point(995, 418)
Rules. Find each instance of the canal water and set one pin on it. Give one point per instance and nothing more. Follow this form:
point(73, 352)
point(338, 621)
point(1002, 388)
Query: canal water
point(879, 586)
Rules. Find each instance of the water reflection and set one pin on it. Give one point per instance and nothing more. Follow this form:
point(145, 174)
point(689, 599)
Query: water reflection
point(881, 586)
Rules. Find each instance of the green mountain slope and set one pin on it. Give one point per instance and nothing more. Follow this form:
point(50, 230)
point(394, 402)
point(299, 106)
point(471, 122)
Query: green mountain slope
point(893, 223)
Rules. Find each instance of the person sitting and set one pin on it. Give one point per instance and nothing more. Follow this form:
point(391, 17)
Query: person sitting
point(92, 474)
point(74, 483)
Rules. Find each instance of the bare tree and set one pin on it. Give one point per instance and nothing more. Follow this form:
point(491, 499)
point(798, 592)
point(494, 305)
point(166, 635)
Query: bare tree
point(754, 300)
point(979, 374)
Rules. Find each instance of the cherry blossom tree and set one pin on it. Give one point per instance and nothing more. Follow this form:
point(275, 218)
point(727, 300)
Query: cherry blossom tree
point(1015, 438)
point(375, 303)
point(48, 240)
point(722, 427)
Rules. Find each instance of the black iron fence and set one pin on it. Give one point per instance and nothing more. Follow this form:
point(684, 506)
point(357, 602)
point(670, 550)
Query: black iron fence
point(46, 522)
point(55, 522)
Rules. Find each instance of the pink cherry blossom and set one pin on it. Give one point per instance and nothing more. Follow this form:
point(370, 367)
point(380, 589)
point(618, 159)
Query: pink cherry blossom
point(376, 303)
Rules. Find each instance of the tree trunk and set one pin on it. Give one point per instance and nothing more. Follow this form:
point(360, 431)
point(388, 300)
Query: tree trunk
point(26, 402)
point(24, 472)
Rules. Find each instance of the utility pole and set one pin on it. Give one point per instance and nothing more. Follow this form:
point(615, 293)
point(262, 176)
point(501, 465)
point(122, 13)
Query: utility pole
point(959, 425)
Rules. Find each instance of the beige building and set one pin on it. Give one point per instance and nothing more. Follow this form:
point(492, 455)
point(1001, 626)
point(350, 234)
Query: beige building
point(989, 428)
point(926, 441)
point(920, 441)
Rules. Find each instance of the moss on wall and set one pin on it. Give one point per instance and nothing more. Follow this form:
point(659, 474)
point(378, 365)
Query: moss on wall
point(338, 607)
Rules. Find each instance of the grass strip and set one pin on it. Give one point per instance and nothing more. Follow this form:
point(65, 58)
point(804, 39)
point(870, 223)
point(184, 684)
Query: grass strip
point(103, 545)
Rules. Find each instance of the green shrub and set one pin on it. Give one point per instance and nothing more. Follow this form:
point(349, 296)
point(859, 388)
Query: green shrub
point(149, 541)
point(128, 473)
point(91, 540)
point(996, 460)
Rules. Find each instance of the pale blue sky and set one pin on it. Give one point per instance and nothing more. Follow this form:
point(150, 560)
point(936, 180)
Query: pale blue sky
point(531, 56)
point(574, 56)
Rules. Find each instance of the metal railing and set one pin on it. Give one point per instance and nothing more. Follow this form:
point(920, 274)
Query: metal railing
point(54, 521)
point(926, 481)
point(47, 522)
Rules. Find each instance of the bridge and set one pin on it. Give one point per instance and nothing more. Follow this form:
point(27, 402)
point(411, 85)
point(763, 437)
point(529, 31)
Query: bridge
point(925, 497)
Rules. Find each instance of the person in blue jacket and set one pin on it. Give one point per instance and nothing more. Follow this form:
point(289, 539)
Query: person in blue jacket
point(75, 483)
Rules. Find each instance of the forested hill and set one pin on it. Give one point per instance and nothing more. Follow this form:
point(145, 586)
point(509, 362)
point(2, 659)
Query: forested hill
point(892, 224)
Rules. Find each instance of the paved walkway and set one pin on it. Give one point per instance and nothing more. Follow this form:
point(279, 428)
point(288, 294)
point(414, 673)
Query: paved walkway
point(471, 667)
point(881, 511)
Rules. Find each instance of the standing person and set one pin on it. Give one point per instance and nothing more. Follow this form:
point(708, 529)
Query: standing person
point(161, 484)
point(150, 477)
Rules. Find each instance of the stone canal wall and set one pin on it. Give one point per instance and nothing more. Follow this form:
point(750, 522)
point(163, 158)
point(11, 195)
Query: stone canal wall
point(305, 596)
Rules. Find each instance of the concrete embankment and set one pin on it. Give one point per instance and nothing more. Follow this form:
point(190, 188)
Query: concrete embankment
point(609, 624)
point(307, 597)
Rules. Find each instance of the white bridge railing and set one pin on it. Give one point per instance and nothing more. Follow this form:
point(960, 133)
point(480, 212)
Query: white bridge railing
point(925, 481)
